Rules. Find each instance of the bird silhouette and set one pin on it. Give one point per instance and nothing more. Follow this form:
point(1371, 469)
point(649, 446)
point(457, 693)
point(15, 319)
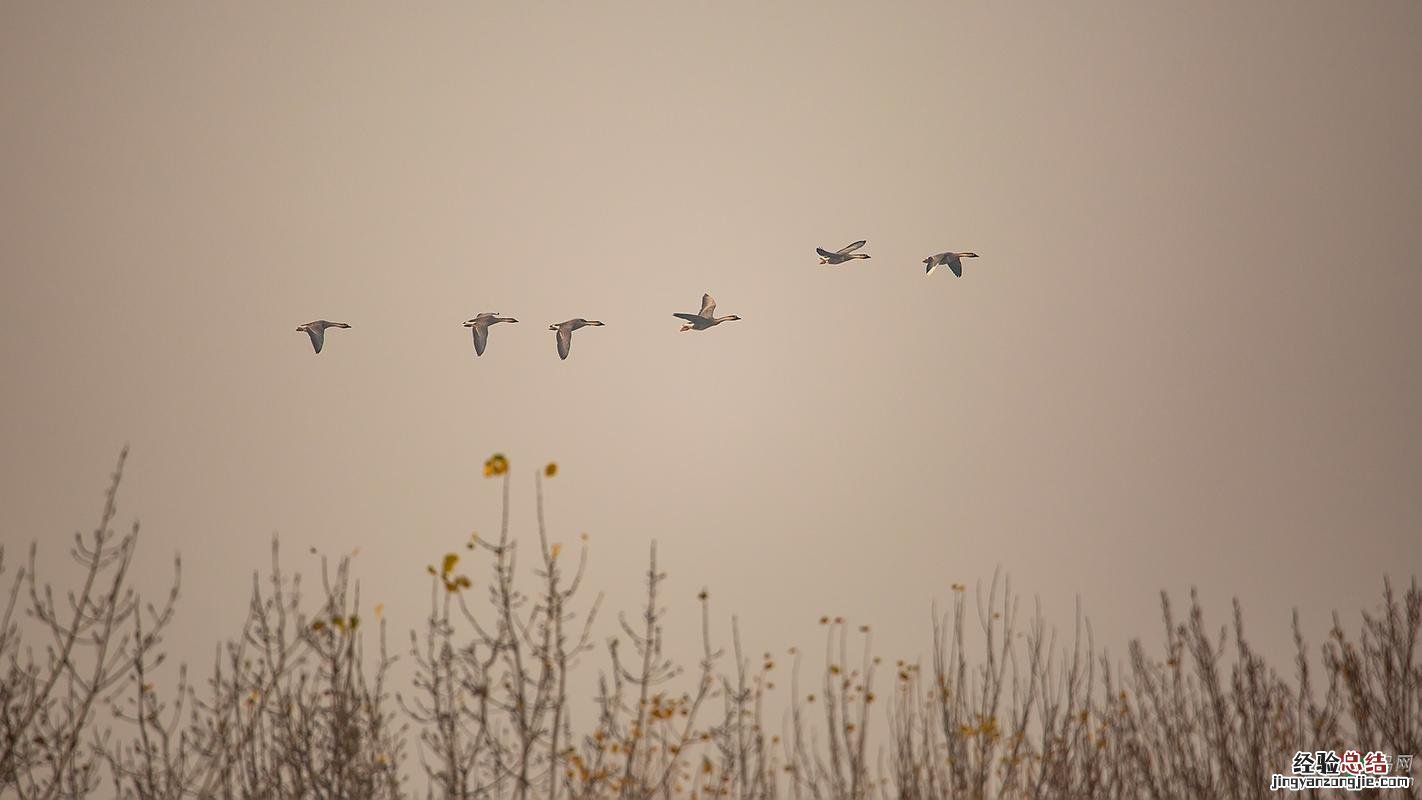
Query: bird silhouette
point(317, 331)
point(564, 331)
point(480, 327)
point(705, 318)
point(841, 255)
point(953, 260)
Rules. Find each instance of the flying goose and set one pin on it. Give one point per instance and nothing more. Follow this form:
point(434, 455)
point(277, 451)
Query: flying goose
point(704, 319)
point(565, 333)
point(317, 331)
point(953, 260)
point(841, 255)
point(480, 327)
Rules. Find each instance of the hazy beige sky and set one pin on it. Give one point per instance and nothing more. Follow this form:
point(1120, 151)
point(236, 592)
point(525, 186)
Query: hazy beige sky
point(1188, 354)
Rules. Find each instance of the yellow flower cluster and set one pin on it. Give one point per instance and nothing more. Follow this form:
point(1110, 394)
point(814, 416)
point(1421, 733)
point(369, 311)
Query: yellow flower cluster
point(663, 708)
point(496, 465)
point(338, 622)
point(452, 582)
point(985, 726)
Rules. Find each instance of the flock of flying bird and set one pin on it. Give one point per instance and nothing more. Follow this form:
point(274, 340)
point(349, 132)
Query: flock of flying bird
point(702, 320)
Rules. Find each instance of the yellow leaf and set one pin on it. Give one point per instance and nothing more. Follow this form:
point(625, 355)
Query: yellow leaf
point(551, 469)
point(450, 559)
point(555, 550)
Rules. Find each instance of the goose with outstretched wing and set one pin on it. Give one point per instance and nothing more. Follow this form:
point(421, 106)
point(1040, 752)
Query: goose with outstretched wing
point(953, 260)
point(706, 318)
point(564, 333)
point(480, 327)
point(843, 254)
point(317, 331)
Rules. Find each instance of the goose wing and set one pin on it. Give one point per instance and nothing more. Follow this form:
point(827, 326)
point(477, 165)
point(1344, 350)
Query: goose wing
point(481, 336)
point(318, 336)
point(850, 248)
point(955, 264)
point(825, 253)
point(708, 306)
point(565, 340)
point(687, 317)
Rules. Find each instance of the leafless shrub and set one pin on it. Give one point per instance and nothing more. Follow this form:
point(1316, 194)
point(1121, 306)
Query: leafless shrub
point(291, 710)
point(491, 687)
point(1001, 710)
point(100, 638)
point(1209, 719)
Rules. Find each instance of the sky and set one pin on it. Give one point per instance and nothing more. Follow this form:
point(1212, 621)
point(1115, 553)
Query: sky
point(1187, 355)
